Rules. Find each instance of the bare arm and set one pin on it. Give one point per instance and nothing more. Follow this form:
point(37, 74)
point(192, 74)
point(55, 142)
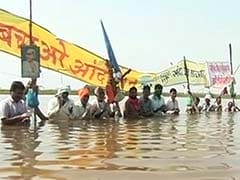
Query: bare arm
point(196, 109)
point(53, 108)
point(237, 108)
point(16, 119)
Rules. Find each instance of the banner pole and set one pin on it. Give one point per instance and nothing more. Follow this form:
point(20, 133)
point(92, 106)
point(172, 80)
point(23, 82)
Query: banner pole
point(30, 21)
point(186, 74)
point(31, 43)
point(232, 93)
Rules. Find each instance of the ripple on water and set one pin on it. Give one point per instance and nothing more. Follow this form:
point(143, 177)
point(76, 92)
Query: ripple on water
point(203, 143)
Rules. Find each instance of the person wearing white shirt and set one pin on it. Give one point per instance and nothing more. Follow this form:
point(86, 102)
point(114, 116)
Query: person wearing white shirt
point(172, 103)
point(13, 109)
point(100, 109)
point(207, 106)
point(60, 106)
point(81, 109)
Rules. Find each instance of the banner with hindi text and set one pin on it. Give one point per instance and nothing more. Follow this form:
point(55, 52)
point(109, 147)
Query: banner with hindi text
point(219, 74)
point(69, 59)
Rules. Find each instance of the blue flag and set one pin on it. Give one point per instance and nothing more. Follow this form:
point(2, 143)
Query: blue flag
point(111, 55)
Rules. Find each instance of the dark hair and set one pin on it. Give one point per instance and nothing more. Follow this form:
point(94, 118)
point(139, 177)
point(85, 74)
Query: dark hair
point(197, 99)
point(146, 87)
point(158, 86)
point(218, 97)
point(17, 85)
point(173, 90)
point(133, 88)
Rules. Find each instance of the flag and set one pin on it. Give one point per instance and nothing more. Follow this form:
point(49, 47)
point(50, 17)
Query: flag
point(111, 55)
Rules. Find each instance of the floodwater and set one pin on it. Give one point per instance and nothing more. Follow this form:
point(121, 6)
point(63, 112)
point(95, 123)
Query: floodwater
point(198, 147)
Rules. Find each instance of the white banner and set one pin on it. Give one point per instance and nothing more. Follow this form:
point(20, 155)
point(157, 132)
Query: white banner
point(219, 74)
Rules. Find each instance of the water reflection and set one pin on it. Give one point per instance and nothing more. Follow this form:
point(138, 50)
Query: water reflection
point(193, 144)
point(20, 153)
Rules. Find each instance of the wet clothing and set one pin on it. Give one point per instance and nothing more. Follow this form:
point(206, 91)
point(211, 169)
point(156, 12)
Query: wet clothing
point(9, 108)
point(158, 103)
point(132, 108)
point(80, 111)
point(146, 107)
point(100, 110)
point(172, 105)
point(56, 112)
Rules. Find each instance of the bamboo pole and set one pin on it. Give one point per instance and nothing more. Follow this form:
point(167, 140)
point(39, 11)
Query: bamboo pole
point(231, 69)
point(30, 21)
point(31, 43)
point(186, 74)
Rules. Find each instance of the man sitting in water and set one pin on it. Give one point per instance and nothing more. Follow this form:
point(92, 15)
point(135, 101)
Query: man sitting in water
point(100, 108)
point(159, 106)
point(218, 104)
point(193, 105)
point(207, 106)
point(60, 106)
point(172, 104)
point(231, 107)
point(132, 105)
point(146, 105)
point(81, 110)
point(13, 109)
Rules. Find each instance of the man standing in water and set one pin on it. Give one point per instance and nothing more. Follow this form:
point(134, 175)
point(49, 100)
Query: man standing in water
point(61, 106)
point(13, 109)
point(100, 109)
point(146, 105)
point(81, 108)
point(159, 106)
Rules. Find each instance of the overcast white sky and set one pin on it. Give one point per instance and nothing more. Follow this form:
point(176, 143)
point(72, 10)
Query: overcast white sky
point(145, 35)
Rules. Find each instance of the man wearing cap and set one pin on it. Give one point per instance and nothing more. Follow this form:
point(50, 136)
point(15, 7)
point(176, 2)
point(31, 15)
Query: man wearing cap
point(81, 110)
point(207, 106)
point(61, 107)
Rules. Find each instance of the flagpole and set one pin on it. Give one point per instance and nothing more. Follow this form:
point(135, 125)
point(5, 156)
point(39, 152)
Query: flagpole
point(31, 43)
point(230, 53)
point(30, 21)
point(231, 69)
point(186, 74)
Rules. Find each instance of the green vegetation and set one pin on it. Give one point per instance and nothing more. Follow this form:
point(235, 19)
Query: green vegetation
point(75, 92)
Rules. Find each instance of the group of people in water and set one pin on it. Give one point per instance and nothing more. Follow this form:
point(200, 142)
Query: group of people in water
point(193, 105)
point(18, 107)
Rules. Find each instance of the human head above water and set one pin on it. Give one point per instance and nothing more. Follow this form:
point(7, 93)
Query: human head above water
point(84, 95)
point(207, 98)
point(146, 91)
point(17, 90)
point(197, 100)
point(218, 100)
point(173, 93)
point(63, 92)
point(132, 93)
point(158, 89)
point(100, 93)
